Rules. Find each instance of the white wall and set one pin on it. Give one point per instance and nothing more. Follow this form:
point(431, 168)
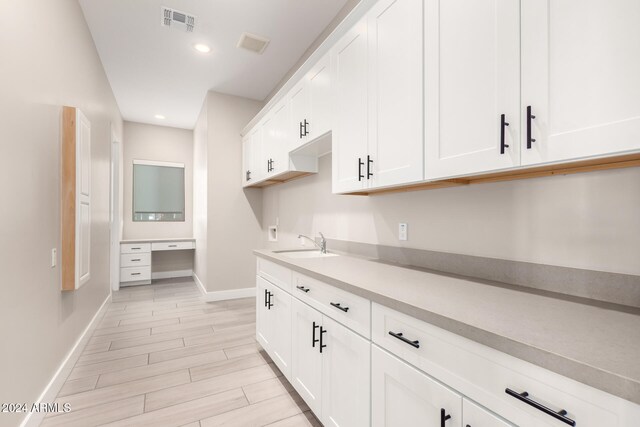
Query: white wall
point(200, 185)
point(48, 61)
point(233, 215)
point(589, 220)
point(160, 143)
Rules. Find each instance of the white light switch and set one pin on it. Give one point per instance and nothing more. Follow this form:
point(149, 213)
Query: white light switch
point(402, 231)
point(54, 257)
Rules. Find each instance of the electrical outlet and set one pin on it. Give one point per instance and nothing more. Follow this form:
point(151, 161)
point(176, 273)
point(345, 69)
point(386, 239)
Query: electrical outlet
point(54, 257)
point(403, 231)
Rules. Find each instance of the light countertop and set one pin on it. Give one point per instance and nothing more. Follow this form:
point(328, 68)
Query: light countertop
point(598, 345)
point(171, 239)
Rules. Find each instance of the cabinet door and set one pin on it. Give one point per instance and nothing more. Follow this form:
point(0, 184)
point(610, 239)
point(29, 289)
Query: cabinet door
point(263, 318)
point(402, 396)
point(306, 359)
point(580, 76)
point(278, 142)
point(300, 102)
point(258, 161)
point(349, 138)
point(320, 98)
point(280, 316)
point(246, 161)
point(396, 144)
point(345, 377)
point(472, 78)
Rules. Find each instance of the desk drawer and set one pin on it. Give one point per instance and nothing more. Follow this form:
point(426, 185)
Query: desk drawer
point(172, 246)
point(134, 274)
point(135, 260)
point(351, 310)
point(134, 248)
point(484, 374)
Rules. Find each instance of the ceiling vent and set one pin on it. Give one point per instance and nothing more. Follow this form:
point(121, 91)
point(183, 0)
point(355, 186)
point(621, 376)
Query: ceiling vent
point(253, 43)
point(177, 19)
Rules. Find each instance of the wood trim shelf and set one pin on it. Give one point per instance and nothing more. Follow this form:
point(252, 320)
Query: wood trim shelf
point(591, 165)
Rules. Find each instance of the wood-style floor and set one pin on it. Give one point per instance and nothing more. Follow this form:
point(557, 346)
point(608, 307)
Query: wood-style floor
point(162, 357)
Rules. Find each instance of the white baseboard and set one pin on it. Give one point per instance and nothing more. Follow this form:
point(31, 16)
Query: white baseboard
point(50, 392)
point(171, 274)
point(223, 295)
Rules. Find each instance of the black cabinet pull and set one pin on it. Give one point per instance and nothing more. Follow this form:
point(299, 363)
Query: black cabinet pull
point(524, 397)
point(369, 162)
point(137, 259)
point(339, 307)
point(529, 118)
point(306, 131)
point(503, 125)
point(303, 289)
point(248, 175)
point(401, 337)
point(314, 340)
point(301, 135)
point(173, 246)
point(444, 417)
point(272, 168)
point(269, 302)
point(360, 165)
point(266, 298)
point(322, 332)
point(135, 274)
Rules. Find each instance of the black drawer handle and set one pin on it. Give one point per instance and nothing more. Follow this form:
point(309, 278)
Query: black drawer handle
point(524, 397)
point(303, 289)
point(173, 246)
point(444, 417)
point(137, 259)
point(360, 165)
point(339, 307)
point(135, 249)
point(369, 162)
point(399, 335)
point(135, 274)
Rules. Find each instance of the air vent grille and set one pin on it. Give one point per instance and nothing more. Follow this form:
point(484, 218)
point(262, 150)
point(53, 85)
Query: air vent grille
point(177, 19)
point(253, 43)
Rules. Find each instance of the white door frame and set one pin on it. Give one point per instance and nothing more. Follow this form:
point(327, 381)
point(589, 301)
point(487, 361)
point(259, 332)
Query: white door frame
point(114, 212)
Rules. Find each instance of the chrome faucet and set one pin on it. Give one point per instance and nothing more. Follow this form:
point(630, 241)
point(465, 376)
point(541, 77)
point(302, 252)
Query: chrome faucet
point(322, 245)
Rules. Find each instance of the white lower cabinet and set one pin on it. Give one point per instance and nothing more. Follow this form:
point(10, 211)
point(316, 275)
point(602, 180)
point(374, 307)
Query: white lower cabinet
point(330, 368)
point(402, 396)
point(273, 324)
point(306, 369)
point(345, 376)
point(476, 416)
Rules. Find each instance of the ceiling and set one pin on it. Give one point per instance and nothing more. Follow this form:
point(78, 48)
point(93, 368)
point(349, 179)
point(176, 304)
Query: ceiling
point(155, 69)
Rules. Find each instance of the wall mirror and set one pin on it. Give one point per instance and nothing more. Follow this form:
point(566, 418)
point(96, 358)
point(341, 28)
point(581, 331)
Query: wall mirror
point(158, 191)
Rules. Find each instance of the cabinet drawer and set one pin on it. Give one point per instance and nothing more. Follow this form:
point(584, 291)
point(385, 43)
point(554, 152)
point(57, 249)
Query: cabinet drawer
point(134, 274)
point(484, 374)
point(134, 248)
point(135, 260)
point(172, 246)
point(275, 273)
point(351, 310)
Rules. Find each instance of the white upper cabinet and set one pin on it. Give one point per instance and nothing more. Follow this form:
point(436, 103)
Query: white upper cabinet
point(396, 144)
point(258, 166)
point(320, 99)
point(300, 101)
point(246, 161)
point(581, 78)
point(472, 85)
point(276, 141)
point(349, 138)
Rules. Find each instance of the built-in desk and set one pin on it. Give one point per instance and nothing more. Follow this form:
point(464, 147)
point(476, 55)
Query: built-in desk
point(136, 257)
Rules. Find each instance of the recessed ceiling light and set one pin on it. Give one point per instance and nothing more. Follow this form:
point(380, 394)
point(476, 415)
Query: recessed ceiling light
point(159, 117)
point(202, 48)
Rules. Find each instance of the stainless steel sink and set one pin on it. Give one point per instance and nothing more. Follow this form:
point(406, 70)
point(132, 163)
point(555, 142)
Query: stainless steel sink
point(304, 253)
